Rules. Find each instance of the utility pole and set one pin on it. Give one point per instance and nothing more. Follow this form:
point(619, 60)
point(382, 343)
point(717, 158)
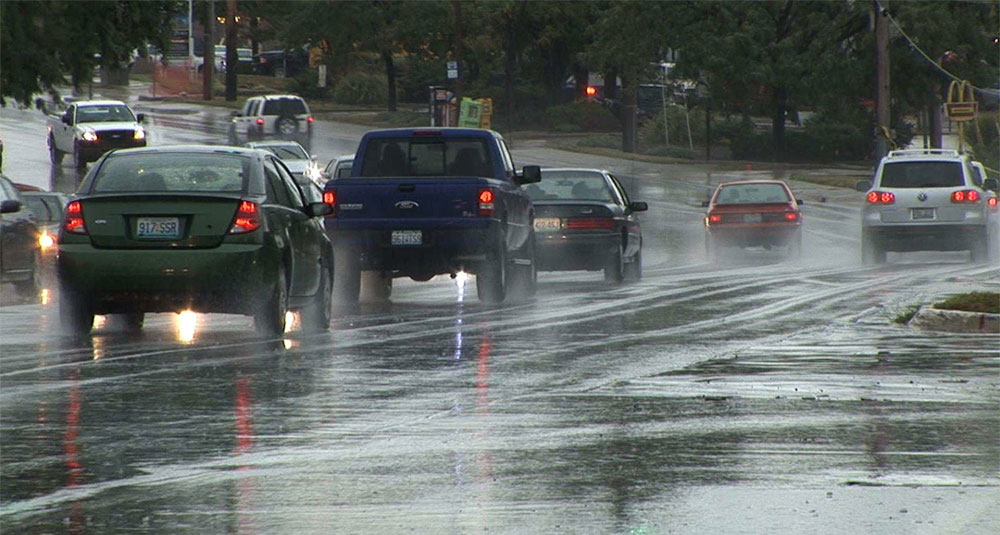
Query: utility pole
point(230, 50)
point(882, 77)
point(208, 66)
point(459, 37)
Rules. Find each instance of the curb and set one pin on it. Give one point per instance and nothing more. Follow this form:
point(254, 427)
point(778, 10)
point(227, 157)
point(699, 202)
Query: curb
point(929, 318)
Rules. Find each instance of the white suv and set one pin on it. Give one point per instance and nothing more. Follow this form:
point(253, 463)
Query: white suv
point(272, 117)
point(928, 200)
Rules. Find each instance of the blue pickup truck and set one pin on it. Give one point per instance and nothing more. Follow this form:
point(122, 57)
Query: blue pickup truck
point(432, 201)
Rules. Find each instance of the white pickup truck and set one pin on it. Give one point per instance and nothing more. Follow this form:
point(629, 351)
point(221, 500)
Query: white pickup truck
point(89, 128)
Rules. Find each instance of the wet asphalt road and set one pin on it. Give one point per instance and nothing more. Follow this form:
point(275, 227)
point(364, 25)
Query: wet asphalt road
point(758, 395)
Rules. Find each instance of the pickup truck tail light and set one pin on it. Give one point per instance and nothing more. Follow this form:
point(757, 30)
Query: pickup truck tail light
point(73, 223)
point(247, 218)
point(881, 197)
point(260, 123)
point(590, 223)
point(965, 195)
point(486, 198)
point(330, 198)
point(310, 119)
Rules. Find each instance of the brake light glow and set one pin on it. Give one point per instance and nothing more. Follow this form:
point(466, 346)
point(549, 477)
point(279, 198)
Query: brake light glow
point(74, 219)
point(330, 198)
point(791, 216)
point(881, 197)
point(966, 195)
point(486, 197)
point(992, 202)
point(247, 218)
point(715, 218)
point(260, 122)
point(590, 223)
point(310, 119)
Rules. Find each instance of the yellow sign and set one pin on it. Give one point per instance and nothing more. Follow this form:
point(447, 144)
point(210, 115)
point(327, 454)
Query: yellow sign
point(961, 105)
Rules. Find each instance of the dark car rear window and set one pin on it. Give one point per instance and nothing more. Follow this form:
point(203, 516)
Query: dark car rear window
point(284, 106)
point(166, 172)
point(570, 185)
point(456, 157)
point(752, 194)
point(922, 175)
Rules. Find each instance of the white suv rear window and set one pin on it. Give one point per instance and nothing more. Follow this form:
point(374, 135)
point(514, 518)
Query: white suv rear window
point(922, 175)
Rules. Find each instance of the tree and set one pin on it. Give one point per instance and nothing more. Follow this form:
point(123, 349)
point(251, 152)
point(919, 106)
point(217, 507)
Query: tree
point(44, 42)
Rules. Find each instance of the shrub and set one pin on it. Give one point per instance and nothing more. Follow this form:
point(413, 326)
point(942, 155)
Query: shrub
point(360, 88)
point(672, 152)
point(588, 116)
point(304, 84)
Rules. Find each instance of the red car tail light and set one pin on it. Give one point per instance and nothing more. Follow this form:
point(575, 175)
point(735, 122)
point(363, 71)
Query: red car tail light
point(791, 216)
point(590, 223)
point(74, 219)
point(881, 197)
point(715, 218)
point(330, 198)
point(966, 195)
point(486, 197)
point(247, 218)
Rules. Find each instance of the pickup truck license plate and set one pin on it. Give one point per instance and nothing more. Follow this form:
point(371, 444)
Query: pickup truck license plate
point(157, 227)
point(923, 213)
point(407, 237)
point(751, 218)
point(547, 224)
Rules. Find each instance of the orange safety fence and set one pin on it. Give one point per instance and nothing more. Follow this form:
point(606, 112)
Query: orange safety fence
point(175, 80)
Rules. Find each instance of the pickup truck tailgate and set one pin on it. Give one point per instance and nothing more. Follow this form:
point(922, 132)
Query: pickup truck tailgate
point(417, 202)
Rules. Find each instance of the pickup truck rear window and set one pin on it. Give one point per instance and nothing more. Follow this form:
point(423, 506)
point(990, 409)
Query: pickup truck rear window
point(922, 175)
point(157, 173)
point(455, 157)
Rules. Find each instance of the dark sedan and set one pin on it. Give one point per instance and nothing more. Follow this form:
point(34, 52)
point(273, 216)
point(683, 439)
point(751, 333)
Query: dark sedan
point(753, 213)
point(207, 229)
point(19, 257)
point(584, 220)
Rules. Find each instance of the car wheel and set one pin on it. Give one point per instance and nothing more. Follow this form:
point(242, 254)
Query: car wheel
point(346, 277)
point(75, 313)
point(28, 289)
point(78, 160)
point(55, 155)
point(130, 322)
point(315, 317)
point(633, 269)
point(614, 268)
point(491, 280)
point(269, 317)
point(286, 126)
point(871, 252)
point(376, 286)
point(524, 272)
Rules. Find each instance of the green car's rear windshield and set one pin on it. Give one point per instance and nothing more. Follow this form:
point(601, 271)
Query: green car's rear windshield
point(570, 186)
point(430, 156)
point(922, 175)
point(177, 172)
point(752, 194)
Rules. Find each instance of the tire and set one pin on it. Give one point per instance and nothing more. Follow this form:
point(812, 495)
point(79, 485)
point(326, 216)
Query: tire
point(78, 161)
point(55, 155)
point(131, 322)
point(491, 280)
point(315, 317)
point(28, 289)
point(614, 268)
point(75, 313)
point(269, 316)
point(871, 253)
point(346, 277)
point(633, 269)
point(523, 281)
point(286, 126)
point(376, 286)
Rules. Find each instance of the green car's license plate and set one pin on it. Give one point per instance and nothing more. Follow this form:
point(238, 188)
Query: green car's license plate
point(157, 227)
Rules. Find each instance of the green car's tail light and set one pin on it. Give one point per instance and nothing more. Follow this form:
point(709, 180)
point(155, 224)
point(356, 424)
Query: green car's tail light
point(74, 219)
point(247, 218)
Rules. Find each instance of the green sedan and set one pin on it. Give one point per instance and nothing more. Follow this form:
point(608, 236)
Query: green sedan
point(202, 228)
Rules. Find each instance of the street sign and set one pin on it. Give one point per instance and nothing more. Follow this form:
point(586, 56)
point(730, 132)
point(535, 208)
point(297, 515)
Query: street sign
point(452, 70)
point(961, 111)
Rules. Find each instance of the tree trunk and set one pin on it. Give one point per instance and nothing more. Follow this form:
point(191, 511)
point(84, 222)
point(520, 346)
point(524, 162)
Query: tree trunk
point(390, 76)
point(629, 122)
point(611, 84)
point(459, 39)
point(581, 78)
point(778, 122)
point(231, 58)
point(509, 64)
point(934, 122)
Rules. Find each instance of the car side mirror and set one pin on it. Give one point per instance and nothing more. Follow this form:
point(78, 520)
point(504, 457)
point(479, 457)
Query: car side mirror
point(863, 185)
point(235, 114)
point(991, 183)
point(66, 119)
point(638, 206)
point(9, 206)
point(799, 201)
point(530, 174)
point(318, 209)
point(704, 204)
point(140, 117)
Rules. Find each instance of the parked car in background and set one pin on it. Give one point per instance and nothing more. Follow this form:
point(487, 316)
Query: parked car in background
point(202, 228)
point(339, 167)
point(753, 213)
point(244, 57)
point(48, 207)
point(87, 129)
point(19, 256)
point(584, 220)
point(281, 63)
point(273, 117)
point(928, 200)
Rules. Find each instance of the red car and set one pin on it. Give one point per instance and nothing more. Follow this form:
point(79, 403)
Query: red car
point(753, 213)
